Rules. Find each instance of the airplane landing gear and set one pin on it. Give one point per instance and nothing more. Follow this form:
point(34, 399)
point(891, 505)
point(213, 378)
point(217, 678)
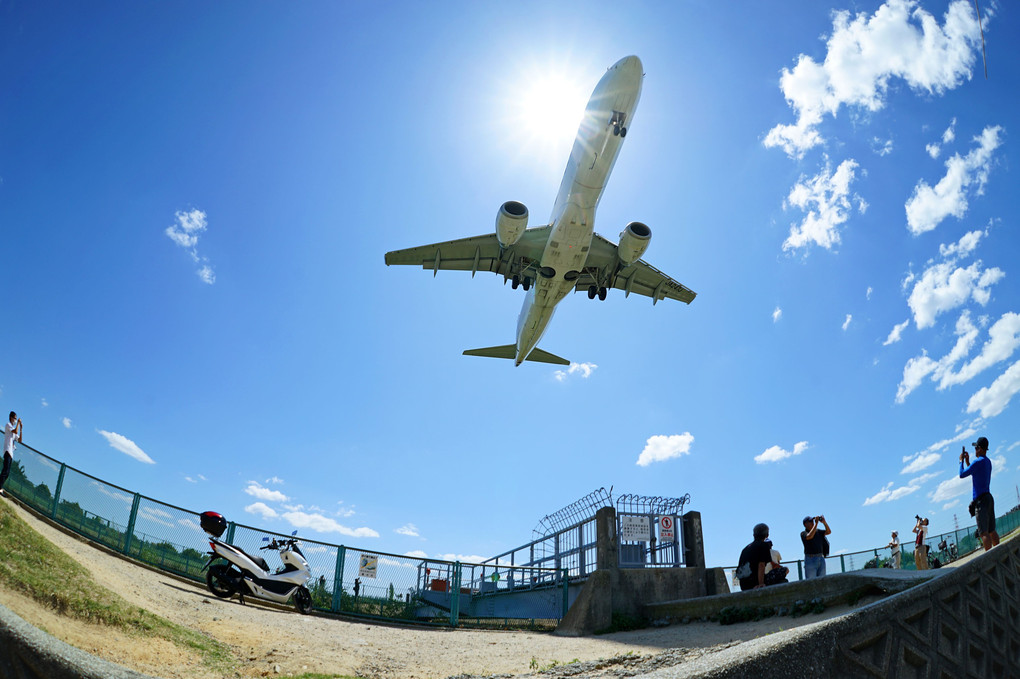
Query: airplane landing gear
point(602, 294)
point(515, 281)
point(594, 290)
point(617, 121)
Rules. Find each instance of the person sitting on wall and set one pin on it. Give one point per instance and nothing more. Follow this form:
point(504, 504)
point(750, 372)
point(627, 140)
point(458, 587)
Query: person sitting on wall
point(775, 572)
point(754, 558)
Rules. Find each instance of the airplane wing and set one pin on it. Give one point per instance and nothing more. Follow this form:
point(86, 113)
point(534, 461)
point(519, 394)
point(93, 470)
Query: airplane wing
point(479, 253)
point(640, 277)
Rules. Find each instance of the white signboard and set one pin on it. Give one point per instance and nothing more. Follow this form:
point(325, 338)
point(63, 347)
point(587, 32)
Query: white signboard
point(667, 532)
point(635, 529)
point(368, 565)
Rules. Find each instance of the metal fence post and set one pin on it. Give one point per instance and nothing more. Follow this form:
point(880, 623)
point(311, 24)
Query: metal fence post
point(231, 527)
point(842, 564)
point(131, 523)
point(338, 576)
point(56, 493)
point(455, 595)
point(800, 569)
point(566, 593)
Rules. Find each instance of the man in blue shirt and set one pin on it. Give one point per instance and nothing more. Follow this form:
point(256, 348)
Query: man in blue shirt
point(980, 474)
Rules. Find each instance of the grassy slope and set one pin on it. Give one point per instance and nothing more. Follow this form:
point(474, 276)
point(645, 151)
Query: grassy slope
point(35, 567)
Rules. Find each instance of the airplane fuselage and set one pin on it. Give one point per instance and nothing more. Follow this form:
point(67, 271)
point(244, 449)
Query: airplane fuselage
point(599, 138)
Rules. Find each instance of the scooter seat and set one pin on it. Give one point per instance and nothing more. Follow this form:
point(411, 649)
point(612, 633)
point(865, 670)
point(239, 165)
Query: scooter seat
point(259, 561)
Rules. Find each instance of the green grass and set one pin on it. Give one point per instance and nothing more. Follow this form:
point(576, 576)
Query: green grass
point(32, 565)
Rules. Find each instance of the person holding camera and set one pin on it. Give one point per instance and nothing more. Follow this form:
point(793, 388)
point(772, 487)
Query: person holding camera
point(12, 433)
point(894, 545)
point(983, 505)
point(921, 549)
point(816, 546)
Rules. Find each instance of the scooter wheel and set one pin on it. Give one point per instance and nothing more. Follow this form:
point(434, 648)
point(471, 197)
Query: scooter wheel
point(219, 581)
point(303, 600)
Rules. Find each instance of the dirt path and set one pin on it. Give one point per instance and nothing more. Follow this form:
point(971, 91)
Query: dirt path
point(270, 642)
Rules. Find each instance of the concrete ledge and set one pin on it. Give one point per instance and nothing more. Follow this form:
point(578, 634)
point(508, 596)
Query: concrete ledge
point(831, 589)
point(965, 622)
point(29, 653)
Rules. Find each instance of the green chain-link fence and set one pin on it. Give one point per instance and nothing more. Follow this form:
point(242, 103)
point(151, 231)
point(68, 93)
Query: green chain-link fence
point(345, 580)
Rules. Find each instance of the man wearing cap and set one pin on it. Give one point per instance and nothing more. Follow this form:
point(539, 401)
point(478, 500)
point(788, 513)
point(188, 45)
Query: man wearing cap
point(815, 546)
point(980, 474)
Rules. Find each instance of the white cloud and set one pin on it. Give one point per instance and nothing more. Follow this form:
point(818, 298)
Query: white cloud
point(846, 323)
point(275, 480)
point(1004, 339)
point(262, 509)
point(45, 403)
point(185, 234)
point(195, 479)
point(914, 373)
point(777, 313)
point(463, 558)
point(889, 494)
point(583, 369)
point(881, 147)
point(826, 200)
point(409, 530)
point(944, 286)
point(928, 206)
point(256, 490)
point(896, 333)
point(867, 295)
point(920, 461)
point(66, 421)
point(864, 53)
point(775, 453)
point(126, 446)
point(934, 149)
point(993, 399)
point(660, 448)
point(949, 489)
point(324, 524)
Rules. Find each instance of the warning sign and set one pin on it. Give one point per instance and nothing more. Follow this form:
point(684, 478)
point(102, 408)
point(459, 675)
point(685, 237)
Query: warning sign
point(368, 565)
point(667, 532)
point(635, 528)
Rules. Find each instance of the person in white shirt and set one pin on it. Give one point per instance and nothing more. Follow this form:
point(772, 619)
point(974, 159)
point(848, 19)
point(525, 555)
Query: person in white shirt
point(12, 432)
point(894, 545)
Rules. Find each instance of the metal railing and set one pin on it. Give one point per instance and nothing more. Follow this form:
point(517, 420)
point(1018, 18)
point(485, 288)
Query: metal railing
point(958, 543)
point(347, 580)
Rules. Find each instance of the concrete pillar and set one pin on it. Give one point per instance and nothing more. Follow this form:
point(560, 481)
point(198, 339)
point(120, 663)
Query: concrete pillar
point(606, 546)
point(694, 542)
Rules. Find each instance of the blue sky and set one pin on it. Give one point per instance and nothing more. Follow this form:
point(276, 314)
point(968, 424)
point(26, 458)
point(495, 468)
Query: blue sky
point(195, 201)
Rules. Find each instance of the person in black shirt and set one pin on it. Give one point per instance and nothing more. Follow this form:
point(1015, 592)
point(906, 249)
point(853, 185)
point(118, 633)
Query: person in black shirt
point(756, 556)
point(814, 546)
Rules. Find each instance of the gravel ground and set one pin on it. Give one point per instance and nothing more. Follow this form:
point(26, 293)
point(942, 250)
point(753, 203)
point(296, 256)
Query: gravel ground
point(267, 641)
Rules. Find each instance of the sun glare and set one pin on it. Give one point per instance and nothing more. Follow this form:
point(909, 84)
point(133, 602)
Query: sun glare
point(551, 107)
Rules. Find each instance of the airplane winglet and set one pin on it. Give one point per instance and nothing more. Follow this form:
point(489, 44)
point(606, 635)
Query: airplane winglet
point(510, 351)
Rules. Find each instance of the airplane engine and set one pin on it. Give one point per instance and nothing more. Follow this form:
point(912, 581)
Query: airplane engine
point(634, 240)
point(511, 221)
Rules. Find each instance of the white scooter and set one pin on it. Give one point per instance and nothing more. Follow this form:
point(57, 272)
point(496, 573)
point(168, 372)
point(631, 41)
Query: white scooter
point(250, 575)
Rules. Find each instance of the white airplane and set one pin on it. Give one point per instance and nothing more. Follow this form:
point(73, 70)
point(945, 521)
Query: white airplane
point(566, 254)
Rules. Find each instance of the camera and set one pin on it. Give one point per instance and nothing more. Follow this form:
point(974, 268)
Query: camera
point(917, 517)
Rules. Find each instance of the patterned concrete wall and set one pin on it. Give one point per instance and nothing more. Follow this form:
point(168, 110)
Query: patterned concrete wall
point(963, 623)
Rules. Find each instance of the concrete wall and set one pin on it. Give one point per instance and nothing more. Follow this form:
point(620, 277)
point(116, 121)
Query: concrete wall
point(964, 622)
point(625, 591)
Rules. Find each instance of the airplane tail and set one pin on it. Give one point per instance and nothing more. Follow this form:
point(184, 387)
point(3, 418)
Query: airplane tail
point(510, 351)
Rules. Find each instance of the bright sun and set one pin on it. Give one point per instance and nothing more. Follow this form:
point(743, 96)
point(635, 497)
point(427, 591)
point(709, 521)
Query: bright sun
point(550, 107)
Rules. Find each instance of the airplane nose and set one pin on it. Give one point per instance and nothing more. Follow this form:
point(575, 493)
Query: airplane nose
point(630, 65)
